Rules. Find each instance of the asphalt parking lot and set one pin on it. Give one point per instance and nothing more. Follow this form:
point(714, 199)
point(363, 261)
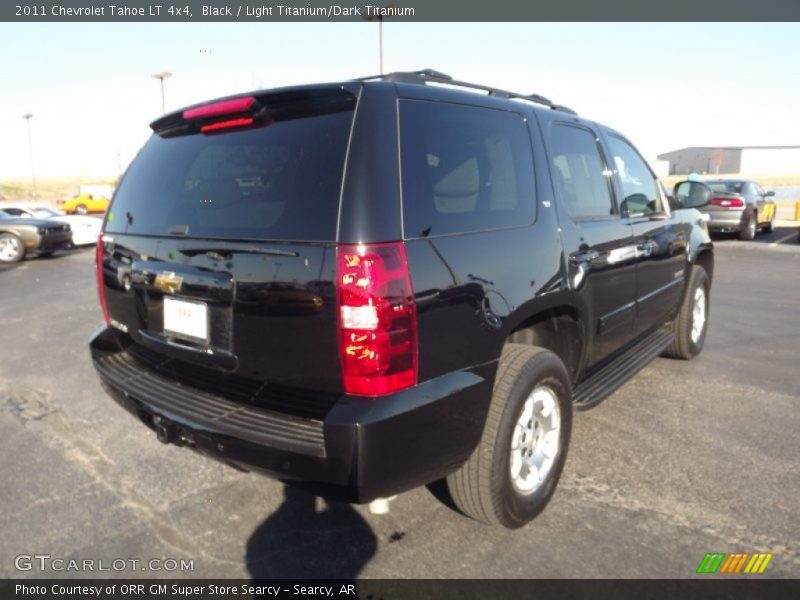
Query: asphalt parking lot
point(687, 458)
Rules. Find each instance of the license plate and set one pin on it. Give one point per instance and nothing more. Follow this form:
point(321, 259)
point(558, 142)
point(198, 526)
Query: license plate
point(184, 318)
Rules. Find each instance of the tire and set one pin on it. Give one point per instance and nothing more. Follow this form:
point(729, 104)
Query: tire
point(12, 249)
point(748, 230)
point(81, 209)
point(770, 226)
point(689, 342)
point(484, 488)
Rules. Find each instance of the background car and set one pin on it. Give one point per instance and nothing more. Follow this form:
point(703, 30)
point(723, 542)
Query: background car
point(740, 205)
point(85, 229)
point(83, 204)
point(20, 236)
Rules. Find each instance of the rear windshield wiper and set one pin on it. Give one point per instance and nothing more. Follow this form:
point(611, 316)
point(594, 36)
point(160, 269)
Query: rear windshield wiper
point(225, 253)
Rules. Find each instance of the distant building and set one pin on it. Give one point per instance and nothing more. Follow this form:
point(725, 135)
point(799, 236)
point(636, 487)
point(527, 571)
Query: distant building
point(763, 160)
point(660, 167)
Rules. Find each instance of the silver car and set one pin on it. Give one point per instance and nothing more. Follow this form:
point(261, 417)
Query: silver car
point(85, 229)
point(740, 205)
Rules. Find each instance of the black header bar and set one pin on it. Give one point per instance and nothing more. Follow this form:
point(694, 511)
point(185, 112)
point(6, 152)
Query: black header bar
point(707, 588)
point(397, 10)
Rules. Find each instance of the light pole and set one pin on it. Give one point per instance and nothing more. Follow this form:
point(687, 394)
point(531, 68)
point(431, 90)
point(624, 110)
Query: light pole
point(161, 77)
point(27, 118)
point(380, 44)
point(379, 19)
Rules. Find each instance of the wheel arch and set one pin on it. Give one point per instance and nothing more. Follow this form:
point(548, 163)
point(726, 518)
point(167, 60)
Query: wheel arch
point(705, 259)
point(560, 328)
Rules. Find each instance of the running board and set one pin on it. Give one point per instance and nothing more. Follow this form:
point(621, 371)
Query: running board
point(610, 378)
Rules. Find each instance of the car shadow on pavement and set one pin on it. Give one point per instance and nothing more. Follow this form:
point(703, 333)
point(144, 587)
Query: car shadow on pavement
point(9, 266)
point(34, 259)
point(300, 541)
point(782, 235)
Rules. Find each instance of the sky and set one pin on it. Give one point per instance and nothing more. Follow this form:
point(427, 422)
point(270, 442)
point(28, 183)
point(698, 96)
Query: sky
point(666, 86)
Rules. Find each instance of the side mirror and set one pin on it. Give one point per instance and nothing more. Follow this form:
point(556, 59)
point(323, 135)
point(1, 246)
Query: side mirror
point(770, 193)
point(635, 204)
point(691, 194)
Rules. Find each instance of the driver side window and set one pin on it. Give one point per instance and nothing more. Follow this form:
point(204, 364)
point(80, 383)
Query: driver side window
point(639, 187)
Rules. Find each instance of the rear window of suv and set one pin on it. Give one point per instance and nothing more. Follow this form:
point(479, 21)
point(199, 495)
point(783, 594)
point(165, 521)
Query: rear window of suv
point(464, 169)
point(279, 182)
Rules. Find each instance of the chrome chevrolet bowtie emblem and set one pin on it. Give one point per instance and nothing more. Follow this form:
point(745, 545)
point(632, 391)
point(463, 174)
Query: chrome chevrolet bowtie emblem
point(168, 282)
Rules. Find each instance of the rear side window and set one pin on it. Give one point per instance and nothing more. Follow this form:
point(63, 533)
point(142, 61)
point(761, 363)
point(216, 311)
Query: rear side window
point(280, 182)
point(464, 169)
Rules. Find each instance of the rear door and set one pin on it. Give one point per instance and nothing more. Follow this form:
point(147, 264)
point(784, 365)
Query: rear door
point(598, 242)
point(220, 242)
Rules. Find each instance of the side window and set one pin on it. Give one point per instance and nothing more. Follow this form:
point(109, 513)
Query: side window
point(464, 169)
point(639, 187)
point(578, 173)
point(16, 212)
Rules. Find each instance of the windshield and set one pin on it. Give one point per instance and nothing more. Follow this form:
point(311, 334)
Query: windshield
point(44, 213)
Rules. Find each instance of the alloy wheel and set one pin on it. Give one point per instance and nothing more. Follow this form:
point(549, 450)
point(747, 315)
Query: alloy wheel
point(698, 314)
point(9, 249)
point(535, 441)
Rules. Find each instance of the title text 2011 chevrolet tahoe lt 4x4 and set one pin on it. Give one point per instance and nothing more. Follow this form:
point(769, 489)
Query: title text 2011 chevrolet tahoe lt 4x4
point(377, 284)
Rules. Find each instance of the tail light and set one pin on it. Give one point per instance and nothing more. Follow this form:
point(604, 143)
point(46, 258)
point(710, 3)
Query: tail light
point(727, 202)
point(237, 112)
point(377, 319)
point(223, 107)
point(100, 255)
point(229, 124)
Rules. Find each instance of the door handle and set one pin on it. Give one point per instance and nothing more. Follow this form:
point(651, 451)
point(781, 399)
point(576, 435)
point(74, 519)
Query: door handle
point(647, 247)
point(585, 256)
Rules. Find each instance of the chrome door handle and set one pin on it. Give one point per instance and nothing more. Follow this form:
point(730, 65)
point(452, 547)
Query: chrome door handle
point(647, 247)
point(586, 256)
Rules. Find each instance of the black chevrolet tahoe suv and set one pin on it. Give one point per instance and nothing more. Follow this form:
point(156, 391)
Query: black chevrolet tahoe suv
point(369, 286)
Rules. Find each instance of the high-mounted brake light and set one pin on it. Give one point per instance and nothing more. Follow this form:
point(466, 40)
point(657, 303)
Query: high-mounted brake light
point(229, 124)
point(218, 109)
point(727, 202)
point(100, 255)
point(377, 319)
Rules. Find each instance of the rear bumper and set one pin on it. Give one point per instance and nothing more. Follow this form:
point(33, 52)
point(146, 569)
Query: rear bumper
point(729, 220)
point(362, 449)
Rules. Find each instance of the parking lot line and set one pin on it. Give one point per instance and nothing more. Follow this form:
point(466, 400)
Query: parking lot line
point(783, 239)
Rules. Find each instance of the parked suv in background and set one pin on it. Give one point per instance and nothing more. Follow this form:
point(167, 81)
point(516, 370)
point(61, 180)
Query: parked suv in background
point(377, 284)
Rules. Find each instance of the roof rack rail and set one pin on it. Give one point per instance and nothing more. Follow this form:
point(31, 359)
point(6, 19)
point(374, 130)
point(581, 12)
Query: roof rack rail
point(432, 76)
